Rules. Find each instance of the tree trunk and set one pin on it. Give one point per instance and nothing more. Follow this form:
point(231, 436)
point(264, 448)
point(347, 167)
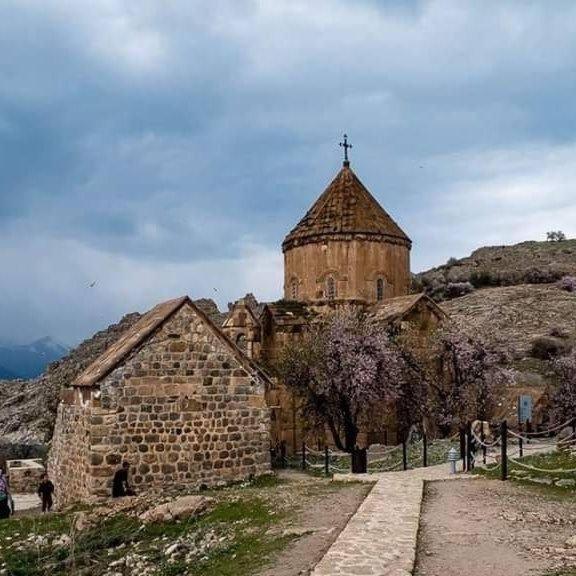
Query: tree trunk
point(359, 461)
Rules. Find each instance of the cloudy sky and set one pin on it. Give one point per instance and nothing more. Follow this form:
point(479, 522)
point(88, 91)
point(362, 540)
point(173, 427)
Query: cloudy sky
point(166, 147)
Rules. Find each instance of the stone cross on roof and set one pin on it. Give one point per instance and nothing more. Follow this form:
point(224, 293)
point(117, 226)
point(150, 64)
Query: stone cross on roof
point(345, 145)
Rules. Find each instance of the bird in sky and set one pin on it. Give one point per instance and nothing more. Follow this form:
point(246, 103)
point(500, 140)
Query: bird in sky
point(92, 284)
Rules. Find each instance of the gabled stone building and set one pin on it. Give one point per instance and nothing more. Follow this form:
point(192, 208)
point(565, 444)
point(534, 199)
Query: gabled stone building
point(173, 397)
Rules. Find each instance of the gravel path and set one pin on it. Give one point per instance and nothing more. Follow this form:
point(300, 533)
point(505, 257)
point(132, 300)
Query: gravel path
point(319, 521)
point(488, 527)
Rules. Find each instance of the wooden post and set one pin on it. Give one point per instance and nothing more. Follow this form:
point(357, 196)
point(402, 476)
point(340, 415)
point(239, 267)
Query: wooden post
point(424, 450)
point(404, 454)
point(504, 451)
point(469, 451)
point(326, 461)
point(521, 447)
point(483, 438)
point(303, 456)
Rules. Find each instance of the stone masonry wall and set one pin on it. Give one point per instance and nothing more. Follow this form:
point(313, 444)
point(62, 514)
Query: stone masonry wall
point(182, 410)
point(68, 460)
point(355, 265)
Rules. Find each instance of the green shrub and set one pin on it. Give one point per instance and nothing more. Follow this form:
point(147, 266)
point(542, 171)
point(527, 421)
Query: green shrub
point(548, 347)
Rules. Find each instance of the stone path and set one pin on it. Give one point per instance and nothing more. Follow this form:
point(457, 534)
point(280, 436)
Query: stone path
point(380, 539)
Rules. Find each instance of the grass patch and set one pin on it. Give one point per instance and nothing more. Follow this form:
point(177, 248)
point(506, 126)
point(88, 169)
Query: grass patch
point(232, 539)
point(546, 477)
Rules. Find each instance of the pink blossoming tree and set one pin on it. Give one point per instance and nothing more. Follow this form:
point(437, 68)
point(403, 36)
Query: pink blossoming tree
point(466, 378)
point(346, 371)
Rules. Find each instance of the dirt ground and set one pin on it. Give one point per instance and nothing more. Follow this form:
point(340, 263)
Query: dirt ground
point(320, 517)
point(489, 528)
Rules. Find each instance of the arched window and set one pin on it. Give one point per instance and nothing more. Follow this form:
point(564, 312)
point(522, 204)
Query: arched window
point(241, 342)
point(379, 289)
point(294, 289)
point(330, 288)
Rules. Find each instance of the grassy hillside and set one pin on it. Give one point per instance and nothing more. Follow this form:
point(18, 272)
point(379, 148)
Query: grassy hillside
point(524, 263)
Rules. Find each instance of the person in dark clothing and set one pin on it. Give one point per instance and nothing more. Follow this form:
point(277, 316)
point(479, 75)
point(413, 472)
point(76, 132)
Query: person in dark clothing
point(6, 502)
point(45, 491)
point(120, 485)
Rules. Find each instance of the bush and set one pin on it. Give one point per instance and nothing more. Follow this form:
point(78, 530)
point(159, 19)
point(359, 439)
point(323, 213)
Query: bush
point(482, 278)
point(555, 236)
point(548, 348)
point(567, 283)
point(452, 261)
point(541, 276)
point(457, 289)
point(418, 284)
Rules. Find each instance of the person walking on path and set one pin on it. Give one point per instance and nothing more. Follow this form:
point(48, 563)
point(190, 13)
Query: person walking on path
point(120, 485)
point(45, 491)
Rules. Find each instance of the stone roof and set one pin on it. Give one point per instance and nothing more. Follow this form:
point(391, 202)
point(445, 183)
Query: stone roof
point(393, 309)
point(345, 207)
point(117, 352)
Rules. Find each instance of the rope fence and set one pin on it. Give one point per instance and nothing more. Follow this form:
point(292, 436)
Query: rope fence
point(502, 447)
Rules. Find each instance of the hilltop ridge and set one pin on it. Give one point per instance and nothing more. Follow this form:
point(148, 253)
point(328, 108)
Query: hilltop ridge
point(524, 263)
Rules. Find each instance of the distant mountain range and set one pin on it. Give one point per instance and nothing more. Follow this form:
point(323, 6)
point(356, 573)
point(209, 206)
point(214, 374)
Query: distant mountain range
point(29, 360)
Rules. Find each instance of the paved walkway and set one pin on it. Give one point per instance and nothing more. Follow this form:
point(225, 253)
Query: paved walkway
point(380, 539)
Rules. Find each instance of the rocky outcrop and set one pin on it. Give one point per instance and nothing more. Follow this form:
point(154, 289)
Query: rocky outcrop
point(181, 508)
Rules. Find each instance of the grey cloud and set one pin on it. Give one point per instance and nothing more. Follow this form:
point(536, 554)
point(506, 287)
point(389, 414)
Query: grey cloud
point(171, 137)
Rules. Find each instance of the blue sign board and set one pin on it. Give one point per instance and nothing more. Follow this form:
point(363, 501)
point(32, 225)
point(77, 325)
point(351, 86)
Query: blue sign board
point(524, 408)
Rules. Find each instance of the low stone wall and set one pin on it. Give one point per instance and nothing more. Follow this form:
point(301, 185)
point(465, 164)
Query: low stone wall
point(24, 475)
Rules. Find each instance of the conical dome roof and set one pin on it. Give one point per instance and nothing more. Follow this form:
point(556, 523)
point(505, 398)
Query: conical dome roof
point(345, 208)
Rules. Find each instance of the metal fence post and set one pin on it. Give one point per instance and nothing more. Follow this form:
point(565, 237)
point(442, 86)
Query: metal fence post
point(404, 454)
point(469, 451)
point(303, 456)
point(326, 460)
point(504, 452)
point(520, 447)
point(424, 450)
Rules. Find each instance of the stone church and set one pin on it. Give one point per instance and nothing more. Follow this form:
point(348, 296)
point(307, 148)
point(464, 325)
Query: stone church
point(346, 250)
point(186, 400)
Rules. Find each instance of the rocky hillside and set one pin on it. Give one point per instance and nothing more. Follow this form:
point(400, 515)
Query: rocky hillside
point(525, 263)
point(513, 317)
